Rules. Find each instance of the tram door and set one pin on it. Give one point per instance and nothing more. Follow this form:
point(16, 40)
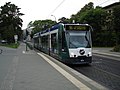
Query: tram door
point(63, 46)
point(54, 43)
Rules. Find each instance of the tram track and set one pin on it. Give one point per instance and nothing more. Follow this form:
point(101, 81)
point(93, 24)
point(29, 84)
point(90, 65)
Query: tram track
point(107, 72)
point(103, 70)
point(108, 65)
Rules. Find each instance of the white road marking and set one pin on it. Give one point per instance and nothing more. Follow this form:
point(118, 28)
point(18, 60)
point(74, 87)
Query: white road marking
point(72, 79)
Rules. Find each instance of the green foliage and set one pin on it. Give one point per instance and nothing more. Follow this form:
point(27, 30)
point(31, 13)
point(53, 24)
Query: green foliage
point(39, 25)
point(63, 20)
point(12, 45)
point(11, 22)
point(96, 17)
point(82, 13)
point(116, 21)
point(116, 48)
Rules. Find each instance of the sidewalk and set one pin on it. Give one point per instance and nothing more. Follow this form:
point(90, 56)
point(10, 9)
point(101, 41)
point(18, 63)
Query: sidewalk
point(34, 73)
point(106, 51)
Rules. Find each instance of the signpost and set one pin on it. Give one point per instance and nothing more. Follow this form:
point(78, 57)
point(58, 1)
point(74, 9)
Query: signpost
point(16, 38)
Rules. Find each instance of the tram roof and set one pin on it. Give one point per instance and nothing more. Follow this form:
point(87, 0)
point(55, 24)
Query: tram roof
point(78, 24)
point(44, 31)
point(56, 27)
point(50, 29)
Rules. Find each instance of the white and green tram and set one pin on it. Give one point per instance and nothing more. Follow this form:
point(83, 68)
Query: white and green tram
point(69, 43)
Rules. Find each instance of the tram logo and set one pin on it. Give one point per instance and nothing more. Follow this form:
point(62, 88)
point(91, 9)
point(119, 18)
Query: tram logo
point(82, 51)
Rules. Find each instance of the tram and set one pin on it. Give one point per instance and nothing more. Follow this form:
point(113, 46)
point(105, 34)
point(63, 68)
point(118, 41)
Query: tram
point(69, 43)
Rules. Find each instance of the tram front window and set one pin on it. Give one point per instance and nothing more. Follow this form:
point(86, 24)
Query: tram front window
point(79, 39)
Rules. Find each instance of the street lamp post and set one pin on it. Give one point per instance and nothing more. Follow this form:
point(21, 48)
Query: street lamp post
point(54, 17)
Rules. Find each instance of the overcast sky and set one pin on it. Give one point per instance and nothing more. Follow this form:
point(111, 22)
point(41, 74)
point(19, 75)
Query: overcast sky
point(43, 9)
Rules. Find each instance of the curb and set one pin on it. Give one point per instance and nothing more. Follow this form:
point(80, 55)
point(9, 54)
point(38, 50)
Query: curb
point(85, 80)
point(107, 54)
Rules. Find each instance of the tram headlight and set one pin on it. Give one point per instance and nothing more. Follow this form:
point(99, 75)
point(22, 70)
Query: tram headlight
point(72, 54)
point(89, 54)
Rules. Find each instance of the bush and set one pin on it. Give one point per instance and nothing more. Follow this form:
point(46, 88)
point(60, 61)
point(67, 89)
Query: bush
point(11, 45)
point(116, 48)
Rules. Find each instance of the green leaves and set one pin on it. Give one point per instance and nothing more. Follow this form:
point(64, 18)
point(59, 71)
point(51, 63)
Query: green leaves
point(116, 21)
point(39, 25)
point(11, 22)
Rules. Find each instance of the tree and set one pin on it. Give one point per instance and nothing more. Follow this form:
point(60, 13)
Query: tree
point(116, 20)
point(87, 7)
point(80, 14)
point(63, 20)
point(11, 22)
point(39, 25)
point(96, 17)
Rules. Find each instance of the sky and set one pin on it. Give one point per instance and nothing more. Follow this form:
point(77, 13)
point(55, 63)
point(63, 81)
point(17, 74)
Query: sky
point(51, 9)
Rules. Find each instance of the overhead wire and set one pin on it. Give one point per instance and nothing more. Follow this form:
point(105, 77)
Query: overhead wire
point(56, 7)
point(103, 2)
point(63, 2)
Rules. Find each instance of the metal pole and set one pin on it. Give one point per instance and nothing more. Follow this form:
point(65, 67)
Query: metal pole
point(54, 17)
point(26, 47)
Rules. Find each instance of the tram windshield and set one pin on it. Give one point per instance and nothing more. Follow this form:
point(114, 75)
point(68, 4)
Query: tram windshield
point(79, 39)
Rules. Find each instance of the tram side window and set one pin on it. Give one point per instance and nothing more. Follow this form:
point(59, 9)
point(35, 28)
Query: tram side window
point(40, 42)
point(36, 41)
point(54, 43)
point(44, 41)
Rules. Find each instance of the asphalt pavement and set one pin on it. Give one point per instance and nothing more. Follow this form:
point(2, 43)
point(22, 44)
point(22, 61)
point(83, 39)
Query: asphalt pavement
point(106, 51)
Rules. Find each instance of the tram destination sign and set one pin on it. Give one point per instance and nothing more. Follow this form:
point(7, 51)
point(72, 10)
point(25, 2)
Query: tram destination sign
point(77, 27)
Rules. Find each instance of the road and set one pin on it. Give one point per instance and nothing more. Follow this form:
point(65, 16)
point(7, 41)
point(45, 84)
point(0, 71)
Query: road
point(104, 70)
